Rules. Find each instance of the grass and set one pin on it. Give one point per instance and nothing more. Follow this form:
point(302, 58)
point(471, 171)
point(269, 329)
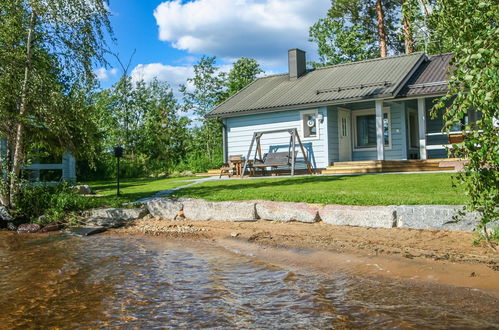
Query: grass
point(390, 189)
point(131, 189)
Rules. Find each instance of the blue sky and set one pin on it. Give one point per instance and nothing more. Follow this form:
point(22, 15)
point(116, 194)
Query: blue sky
point(170, 36)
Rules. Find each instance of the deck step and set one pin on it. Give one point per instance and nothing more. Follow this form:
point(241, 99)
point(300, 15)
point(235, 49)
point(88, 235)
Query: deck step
point(376, 166)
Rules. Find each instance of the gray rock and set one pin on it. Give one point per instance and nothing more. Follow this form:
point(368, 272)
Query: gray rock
point(165, 208)
point(435, 217)
point(363, 216)
point(4, 214)
point(42, 218)
point(27, 228)
point(83, 189)
point(11, 226)
point(198, 209)
point(284, 211)
point(106, 222)
point(112, 218)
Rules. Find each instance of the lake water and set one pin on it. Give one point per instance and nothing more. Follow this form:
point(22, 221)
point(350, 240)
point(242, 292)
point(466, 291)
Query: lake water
point(111, 281)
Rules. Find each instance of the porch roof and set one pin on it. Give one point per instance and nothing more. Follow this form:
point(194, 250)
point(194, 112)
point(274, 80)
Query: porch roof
point(343, 83)
point(430, 78)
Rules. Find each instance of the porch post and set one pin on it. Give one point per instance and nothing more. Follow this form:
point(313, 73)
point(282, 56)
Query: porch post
point(422, 127)
point(380, 140)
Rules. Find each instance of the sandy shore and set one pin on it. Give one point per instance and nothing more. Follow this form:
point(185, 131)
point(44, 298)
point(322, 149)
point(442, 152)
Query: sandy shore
point(442, 257)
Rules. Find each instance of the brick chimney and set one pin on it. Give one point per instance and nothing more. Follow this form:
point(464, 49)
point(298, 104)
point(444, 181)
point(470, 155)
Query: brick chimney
point(297, 63)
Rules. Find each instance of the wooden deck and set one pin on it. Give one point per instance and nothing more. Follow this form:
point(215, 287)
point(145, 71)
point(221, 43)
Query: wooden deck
point(377, 166)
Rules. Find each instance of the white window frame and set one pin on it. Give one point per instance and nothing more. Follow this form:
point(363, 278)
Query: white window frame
point(314, 112)
point(357, 113)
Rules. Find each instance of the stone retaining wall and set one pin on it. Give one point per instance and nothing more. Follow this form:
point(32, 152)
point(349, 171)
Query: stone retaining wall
point(405, 216)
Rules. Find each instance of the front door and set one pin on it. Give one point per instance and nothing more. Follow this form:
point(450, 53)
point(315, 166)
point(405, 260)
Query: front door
point(344, 136)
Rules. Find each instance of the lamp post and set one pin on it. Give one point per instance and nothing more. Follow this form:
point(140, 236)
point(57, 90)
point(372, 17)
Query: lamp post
point(118, 153)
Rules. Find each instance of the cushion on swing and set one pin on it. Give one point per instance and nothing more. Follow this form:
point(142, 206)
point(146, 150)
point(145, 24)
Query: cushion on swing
point(274, 159)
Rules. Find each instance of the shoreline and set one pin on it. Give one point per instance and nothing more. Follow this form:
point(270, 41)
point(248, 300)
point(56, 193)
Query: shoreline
point(425, 256)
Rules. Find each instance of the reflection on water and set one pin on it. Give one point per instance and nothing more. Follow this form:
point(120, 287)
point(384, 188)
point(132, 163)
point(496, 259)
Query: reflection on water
point(107, 281)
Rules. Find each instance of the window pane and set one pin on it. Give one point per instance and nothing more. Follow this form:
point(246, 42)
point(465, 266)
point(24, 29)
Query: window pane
point(366, 131)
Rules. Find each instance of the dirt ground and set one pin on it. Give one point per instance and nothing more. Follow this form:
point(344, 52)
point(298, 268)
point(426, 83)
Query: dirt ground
point(444, 257)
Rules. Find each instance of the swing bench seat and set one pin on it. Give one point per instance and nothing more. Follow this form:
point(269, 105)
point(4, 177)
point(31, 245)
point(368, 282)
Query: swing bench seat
point(275, 159)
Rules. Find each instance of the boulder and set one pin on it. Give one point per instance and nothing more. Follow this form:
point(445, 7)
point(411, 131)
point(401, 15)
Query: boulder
point(11, 226)
point(83, 189)
point(198, 209)
point(53, 226)
point(113, 217)
point(362, 216)
point(165, 208)
point(26, 228)
point(284, 211)
point(435, 217)
point(4, 214)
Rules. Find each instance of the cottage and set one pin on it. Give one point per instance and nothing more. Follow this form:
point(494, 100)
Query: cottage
point(374, 111)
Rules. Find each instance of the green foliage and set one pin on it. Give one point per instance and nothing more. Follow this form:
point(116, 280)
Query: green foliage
point(54, 202)
point(48, 50)
point(349, 31)
point(144, 119)
point(210, 88)
point(471, 29)
point(243, 72)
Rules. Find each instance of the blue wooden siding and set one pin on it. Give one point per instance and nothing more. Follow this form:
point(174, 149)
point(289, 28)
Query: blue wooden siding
point(240, 132)
point(333, 147)
point(325, 149)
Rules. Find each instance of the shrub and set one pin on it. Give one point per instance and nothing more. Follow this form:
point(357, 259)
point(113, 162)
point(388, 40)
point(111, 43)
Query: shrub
point(55, 202)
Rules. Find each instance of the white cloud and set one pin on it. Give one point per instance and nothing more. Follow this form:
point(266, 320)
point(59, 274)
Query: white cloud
point(262, 29)
point(175, 75)
point(104, 74)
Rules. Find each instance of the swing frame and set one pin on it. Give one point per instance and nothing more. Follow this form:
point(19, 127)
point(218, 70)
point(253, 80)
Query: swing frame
point(293, 139)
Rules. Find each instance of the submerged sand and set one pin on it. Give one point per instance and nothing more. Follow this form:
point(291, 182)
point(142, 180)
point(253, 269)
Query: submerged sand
point(434, 256)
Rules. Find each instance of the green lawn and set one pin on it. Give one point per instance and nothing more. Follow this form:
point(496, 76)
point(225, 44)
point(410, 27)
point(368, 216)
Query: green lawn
point(132, 189)
point(389, 189)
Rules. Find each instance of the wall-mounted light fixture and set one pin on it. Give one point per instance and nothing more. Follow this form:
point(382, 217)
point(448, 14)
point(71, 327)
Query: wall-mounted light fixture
point(320, 117)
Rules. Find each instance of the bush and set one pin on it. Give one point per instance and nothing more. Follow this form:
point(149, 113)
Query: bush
point(55, 202)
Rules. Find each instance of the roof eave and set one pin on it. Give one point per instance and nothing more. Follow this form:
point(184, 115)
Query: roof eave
point(301, 106)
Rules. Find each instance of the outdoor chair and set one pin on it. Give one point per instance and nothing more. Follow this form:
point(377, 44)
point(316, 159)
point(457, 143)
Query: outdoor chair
point(231, 168)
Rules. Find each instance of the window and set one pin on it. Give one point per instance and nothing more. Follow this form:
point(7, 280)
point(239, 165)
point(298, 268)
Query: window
point(344, 131)
point(365, 129)
point(309, 124)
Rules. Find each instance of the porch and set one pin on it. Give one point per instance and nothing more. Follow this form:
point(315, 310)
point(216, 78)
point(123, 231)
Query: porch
point(383, 166)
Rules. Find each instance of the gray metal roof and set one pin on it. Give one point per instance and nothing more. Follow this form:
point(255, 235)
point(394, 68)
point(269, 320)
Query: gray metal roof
point(377, 78)
point(430, 78)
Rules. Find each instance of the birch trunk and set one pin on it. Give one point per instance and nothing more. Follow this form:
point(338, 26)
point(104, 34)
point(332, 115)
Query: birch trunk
point(381, 28)
point(18, 156)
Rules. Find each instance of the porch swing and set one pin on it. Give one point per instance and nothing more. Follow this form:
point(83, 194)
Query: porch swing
point(276, 159)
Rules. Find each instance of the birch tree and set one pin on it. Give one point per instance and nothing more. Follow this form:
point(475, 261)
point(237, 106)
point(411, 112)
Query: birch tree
point(59, 42)
point(470, 29)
